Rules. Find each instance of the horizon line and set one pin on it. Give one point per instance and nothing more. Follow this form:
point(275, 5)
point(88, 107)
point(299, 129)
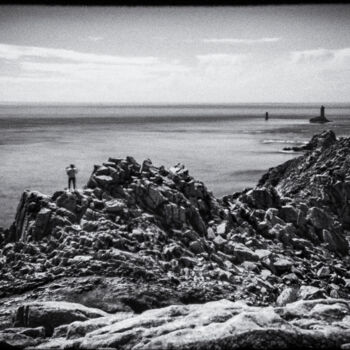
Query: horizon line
point(162, 104)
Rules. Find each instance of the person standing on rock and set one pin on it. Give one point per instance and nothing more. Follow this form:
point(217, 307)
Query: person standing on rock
point(71, 172)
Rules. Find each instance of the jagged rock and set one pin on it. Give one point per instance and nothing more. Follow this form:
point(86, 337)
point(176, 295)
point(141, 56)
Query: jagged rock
point(301, 244)
point(271, 216)
point(318, 180)
point(164, 232)
point(336, 242)
point(115, 206)
point(289, 214)
point(197, 221)
point(221, 324)
point(325, 139)
point(310, 292)
point(221, 229)
point(68, 201)
point(335, 311)
point(103, 180)
point(242, 253)
point(174, 214)
point(288, 295)
point(219, 242)
point(154, 198)
point(262, 253)
point(196, 247)
point(28, 207)
point(52, 314)
point(40, 228)
point(79, 329)
point(263, 198)
point(250, 266)
point(324, 271)
point(210, 234)
point(16, 341)
point(282, 265)
point(66, 214)
point(319, 219)
point(179, 170)
point(37, 332)
point(284, 233)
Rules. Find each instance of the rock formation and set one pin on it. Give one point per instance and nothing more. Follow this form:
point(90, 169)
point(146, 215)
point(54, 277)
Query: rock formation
point(140, 244)
point(321, 119)
point(313, 324)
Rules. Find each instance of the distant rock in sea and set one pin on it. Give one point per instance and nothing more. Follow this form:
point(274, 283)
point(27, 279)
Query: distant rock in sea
point(146, 257)
point(321, 119)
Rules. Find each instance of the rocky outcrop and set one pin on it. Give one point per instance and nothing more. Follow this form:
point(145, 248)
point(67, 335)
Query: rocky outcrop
point(320, 119)
point(323, 140)
point(53, 314)
point(140, 237)
point(321, 179)
point(223, 324)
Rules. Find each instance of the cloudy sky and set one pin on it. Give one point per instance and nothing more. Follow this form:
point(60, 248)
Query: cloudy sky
point(175, 55)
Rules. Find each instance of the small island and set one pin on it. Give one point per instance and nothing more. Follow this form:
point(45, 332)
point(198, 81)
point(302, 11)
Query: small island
point(321, 119)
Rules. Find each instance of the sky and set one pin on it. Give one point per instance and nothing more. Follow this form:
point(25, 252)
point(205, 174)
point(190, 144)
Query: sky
point(175, 54)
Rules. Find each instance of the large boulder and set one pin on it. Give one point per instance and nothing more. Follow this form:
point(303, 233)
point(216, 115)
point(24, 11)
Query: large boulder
point(336, 241)
point(288, 295)
point(289, 214)
point(243, 253)
point(319, 219)
point(41, 225)
point(311, 292)
point(16, 341)
point(79, 329)
point(67, 200)
point(52, 314)
point(29, 205)
point(115, 206)
point(263, 198)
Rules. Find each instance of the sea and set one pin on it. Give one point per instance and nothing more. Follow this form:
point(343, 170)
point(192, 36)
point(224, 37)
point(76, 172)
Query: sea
point(228, 147)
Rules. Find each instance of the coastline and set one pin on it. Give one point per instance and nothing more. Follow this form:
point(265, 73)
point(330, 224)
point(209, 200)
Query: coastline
point(149, 237)
point(222, 144)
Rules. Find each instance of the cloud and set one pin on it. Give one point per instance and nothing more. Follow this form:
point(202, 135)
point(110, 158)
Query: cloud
point(31, 79)
point(39, 64)
point(235, 41)
point(220, 59)
point(66, 75)
point(320, 55)
point(42, 63)
point(102, 72)
point(15, 52)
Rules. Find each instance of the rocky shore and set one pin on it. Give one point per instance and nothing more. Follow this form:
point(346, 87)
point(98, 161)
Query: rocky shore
point(148, 258)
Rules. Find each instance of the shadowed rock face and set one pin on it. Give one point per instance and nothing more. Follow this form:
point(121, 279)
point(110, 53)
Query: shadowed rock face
point(320, 178)
point(52, 314)
point(140, 237)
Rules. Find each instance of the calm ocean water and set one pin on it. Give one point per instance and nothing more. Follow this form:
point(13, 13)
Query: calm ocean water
point(227, 147)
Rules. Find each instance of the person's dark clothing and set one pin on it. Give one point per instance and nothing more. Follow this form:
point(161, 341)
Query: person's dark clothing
point(71, 180)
